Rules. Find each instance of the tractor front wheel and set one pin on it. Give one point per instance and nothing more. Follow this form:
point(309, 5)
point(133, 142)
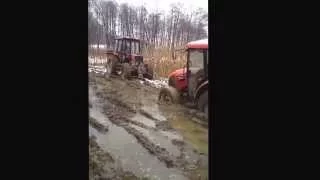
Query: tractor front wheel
point(149, 72)
point(169, 95)
point(125, 71)
point(203, 102)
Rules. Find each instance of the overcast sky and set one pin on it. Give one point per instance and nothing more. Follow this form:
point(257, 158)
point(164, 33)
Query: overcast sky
point(164, 5)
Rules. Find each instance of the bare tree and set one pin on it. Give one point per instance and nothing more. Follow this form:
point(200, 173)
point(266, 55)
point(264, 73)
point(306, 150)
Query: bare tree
point(107, 20)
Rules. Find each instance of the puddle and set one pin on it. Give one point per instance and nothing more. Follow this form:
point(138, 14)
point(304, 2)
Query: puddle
point(142, 119)
point(171, 135)
point(154, 112)
point(158, 139)
point(193, 133)
point(124, 148)
point(133, 157)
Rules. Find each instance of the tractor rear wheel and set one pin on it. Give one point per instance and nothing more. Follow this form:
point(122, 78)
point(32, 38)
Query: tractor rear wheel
point(141, 70)
point(149, 72)
point(203, 102)
point(110, 65)
point(125, 71)
point(108, 70)
point(169, 95)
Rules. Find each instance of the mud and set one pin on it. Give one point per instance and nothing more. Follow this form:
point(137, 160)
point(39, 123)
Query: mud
point(159, 140)
point(120, 120)
point(102, 166)
point(177, 142)
point(164, 125)
point(133, 156)
point(116, 118)
point(150, 140)
point(161, 153)
point(144, 120)
point(100, 127)
point(148, 115)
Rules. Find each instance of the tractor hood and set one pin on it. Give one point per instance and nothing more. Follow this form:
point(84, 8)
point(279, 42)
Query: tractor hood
point(178, 72)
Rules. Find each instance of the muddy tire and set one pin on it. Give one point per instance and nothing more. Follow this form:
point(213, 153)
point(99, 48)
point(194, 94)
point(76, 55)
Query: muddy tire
point(149, 72)
point(109, 68)
point(169, 95)
point(125, 71)
point(141, 70)
point(110, 65)
point(203, 102)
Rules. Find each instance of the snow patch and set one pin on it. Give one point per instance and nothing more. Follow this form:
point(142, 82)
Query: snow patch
point(93, 61)
point(96, 65)
point(101, 46)
point(97, 69)
point(157, 83)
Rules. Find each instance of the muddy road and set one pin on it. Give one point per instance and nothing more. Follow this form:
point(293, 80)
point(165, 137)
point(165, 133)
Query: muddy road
point(134, 137)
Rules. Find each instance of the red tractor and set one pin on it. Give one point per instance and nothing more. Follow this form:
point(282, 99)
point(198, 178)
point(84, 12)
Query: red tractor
point(126, 59)
point(190, 83)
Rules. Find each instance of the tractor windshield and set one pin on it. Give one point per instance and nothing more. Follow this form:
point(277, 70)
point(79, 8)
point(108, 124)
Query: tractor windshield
point(196, 59)
point(118, 46)
point(127, 47)
point(135, 47)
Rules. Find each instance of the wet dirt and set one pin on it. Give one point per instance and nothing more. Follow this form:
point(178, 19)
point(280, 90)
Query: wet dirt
point(144, 120)
point(97, 125)
point(192, 132)
point(159, 140)
point(148, 139)
point(125, 147)
point(103, 167)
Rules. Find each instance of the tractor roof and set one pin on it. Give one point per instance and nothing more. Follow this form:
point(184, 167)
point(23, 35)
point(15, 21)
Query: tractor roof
point(128, 38)
point(199, 44)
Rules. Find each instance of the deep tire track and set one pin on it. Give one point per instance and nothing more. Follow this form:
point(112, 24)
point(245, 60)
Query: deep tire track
point(97, 125)
point(161, 153)
point(102, 165)
point(118, 111)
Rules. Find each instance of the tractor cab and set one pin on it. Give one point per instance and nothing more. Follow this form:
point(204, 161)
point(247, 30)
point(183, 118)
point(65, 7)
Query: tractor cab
point(129, 50)
point(197, 65)
point(126, 60)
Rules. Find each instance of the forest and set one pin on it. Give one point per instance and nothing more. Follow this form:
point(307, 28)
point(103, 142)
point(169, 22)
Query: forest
point(162, 32)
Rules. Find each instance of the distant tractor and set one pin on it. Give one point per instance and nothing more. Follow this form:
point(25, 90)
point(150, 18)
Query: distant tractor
point(126, 59)
point(190, 83)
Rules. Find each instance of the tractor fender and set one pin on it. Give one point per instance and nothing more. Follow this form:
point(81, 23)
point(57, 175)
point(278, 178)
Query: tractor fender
point(201, 89)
